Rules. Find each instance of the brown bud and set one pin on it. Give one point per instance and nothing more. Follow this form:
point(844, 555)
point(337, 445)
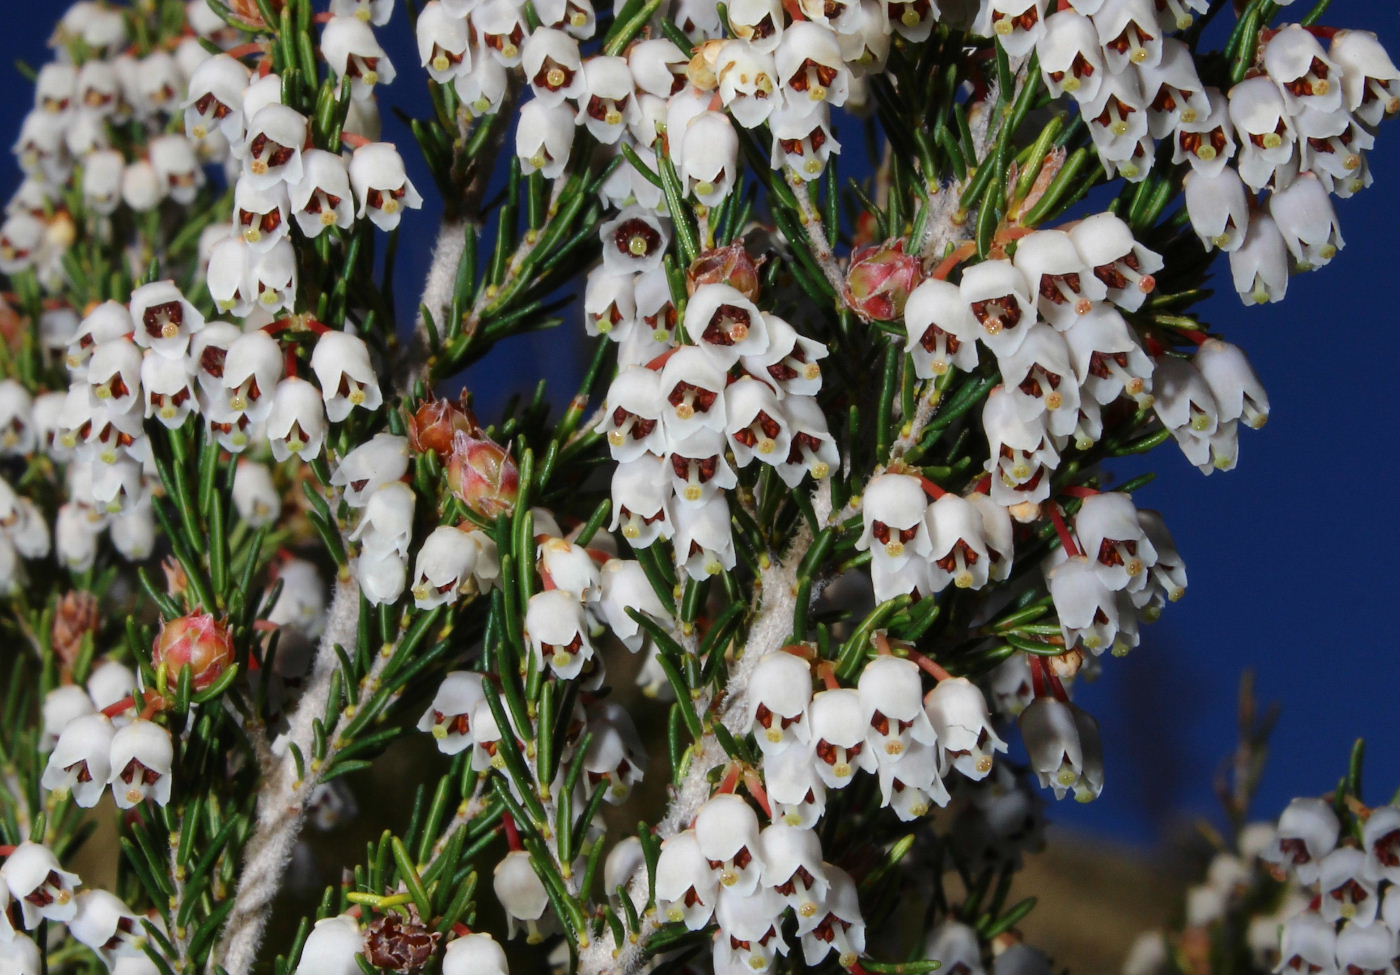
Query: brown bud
point(400, 944)
point(725, 265)
point(435, 422)
point(198, 641)
point(76, 617)
point(483, 475)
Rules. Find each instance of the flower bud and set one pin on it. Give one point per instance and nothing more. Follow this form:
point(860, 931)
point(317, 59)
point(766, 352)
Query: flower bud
point(880, 278)
point(197, 641)
point(435, 422)
point(729, 265)
point(483, 475)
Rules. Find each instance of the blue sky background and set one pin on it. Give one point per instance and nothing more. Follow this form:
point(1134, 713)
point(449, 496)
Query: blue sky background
point(1292, 557)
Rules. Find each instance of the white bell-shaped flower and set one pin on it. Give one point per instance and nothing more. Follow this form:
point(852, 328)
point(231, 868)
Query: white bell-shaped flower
point(272, 278)
point(704, 539)
point(214, 100)
point(1113, 539)
point(1380, 837)
point(803, 139)
point(230, 277)
point(1307, 832)
point(1071, 57)
point(117, 487)
point(544, 137)
point(564, 565)
point(959, 714)
point(1218, 208)
point(552, 65)
point(272, 152)
point(47, 417)
point(958, 553)
point(158, 84)
point(1017, 25)
point(942, 332)
point(444, 43)
point(893, 515)
point(301, 604)
point(1238, 393)
point(260, 216)
point(609, 303)
point(482, 89)
point(1108, 362)
point(1168, 575)
point(106, 924)
point(1040, 381)
point(748, 939)
point(727, 833)
point(449, 717)
point(790, 361)
point(1260, 266)
point(102, 181)
point(44, 890)
point(521, 894)
point(381, 185)
point(1370, 80)
point(1051, 733)
point(557, 632)
point(632, 421)
point(169, 389)
point(17, 436)
point(475, 954)
point(133, 531)
point(1125, 267)
point(114, 375)
point(955, 943)
point(810, 68)
point(252, 370)
point(709, 157)
point(691, 390)
point(616, 755)
point(346, 377)
point(1187, 407)
point(891, 699)
point(174, 160)
point(839, 729)
point(98, 90)
point(381, 460)
point(382, 576)
point(726, 324)
point(1064, 286)
point(1207, 144)
point(812, 448)
point(792, 866)
point(1347, 893)
point(1092, 615)
point(623, 585)
point(141, 759)
point(842, 928)
point(352, 51)
point(658, 66)
point(1021, 452)
point(1303, 213)
point(452, 561)
point(686, 888)
point(998, 296)
point(1365, 949)
point(756, 424)
point(332, 947)
point(634, 241)
point(55, 87)
point(376, 12)
point(1172, 90)
point(79, 763)
point(1307, 78)
point(747, 78)
point(796, 792)
point(1309, 944)
point(1129, 34)
point(386, 525)
point(699, 470)
point(1261, 121)
point(780, 691)
point(297, 423)
point(1117, 117)
point(63, 704)
point(255, 496)
point(21, 236)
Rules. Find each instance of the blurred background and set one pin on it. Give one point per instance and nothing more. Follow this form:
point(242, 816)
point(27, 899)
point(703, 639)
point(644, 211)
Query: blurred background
point(1292, 572)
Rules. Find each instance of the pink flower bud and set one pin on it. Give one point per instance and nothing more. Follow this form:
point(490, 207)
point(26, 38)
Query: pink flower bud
point(483, 475)
point(880, 279)
point(198, 641)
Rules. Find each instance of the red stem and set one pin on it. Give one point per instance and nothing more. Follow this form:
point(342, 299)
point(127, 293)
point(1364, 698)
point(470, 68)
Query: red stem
point(512, 833)
point(827, 672)
point(754, 783)
point(731, 779)
point(662, 359)
point(931, 489)
point(461, 930)
point(929, 666)
point(6, 850)
point(1062, 529)
point(1080, 491)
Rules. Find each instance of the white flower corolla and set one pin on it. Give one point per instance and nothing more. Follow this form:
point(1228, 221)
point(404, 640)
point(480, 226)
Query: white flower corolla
point(954, 943)
point(1092, 615)
point(381, 460)
point(24, 524)
point(748, 939)
point(12, 571)
point(626, 186)
point(17, 433)
point(959, 714)
point(331, 947)
point(790, 363)
point(795, 790)
point(79, 763)
point(297, 424)
point(709, 157)
point(1117, 119)
point(1108, 362)
point(912, 782)
point(381, 185)
point(634, 241)
point(1334, 148)
point(998, 296)
point(386, 525)
point(173, 157)
point(1307, 832)
point(690, 394)
point(1380, 838)
point(704, 539)
point(1125, 266)
point(1207, 144)
point(803, 140)
point(453, 561)
point(63, 704)
point(108, 684)
point(895, 531)
point(214, 101)
point(793, 867)
point(1017, 25)
point(1303, 213)
point(260, 216)
point(322, 198)
point(609, 303)
point(1129, 34)
point(958, 553)
point(1308, 944)
point(444, 43)
point(141, 759)
point(482, 89)
point(255, 496)
point(1370, 80)
point(272, 151)
point(208, 352)
point(755, 423)
point(813, 449)
point(1051, 733)
point(301, 604)
point(1347, 893)
point(55, 86)
point(1114, 540)
point(382, 576)
point(657, 66)
point(40, 149)
point(891, 700)
point(521, 894)
point(169, 389)
point(577, 17)
point(1168, 575)
point(1265, 131)
point(865, 40)
point(1040, 380)
point(911, 19)
point(33, 876)
point(1306, 77)
point(98, 91)
point(942, 331)
point(346, 377)
point(18, 953)
point(106, 924)
point(615, 754)
point(376, 12)
point(623, 862)
point(544, 137)
point(1259, 267)
point(158, 84)
point(567, 566)
point(1238, 393)
point(551, 63)
point(117, 487)
point(352, 51)
point(780, 690)
point(841, 928)
point(1064, 286)
point(229, 277)
point(162, 318)
point(272, 278)
point(1218, 208)
point(726, 831)
point(133, 531)
point(102, 181)
point(809, 66)
point(623, 585)
point(656, 312)
point(839, 728)
point(1071, 58)
point(557, 632)
point(686, 888)
point(21, 237)
point(746, 76)
point(632, 414)
point(449, 717)
point(1021, 452)
point(252, 369)
point(114, 375)
point(475, 954)
point(1365, 949)
point(725, 324)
